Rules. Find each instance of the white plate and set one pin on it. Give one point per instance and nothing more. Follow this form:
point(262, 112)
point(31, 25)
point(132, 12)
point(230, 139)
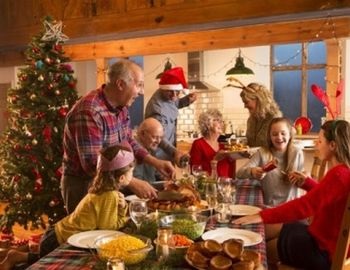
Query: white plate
point(243, 210)
point(131, 198)
point(249, 238)
point(87, 239)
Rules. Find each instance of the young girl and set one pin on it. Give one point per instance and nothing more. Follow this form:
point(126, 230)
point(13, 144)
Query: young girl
point(313, 246)
point(275, 184)
point(103, 208)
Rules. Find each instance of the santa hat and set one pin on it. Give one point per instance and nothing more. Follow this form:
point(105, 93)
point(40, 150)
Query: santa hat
point(173, 79)
point(123, 158)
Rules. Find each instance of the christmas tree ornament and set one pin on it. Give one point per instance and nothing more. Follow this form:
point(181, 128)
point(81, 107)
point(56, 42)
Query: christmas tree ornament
point(40, 115)
point(35, 50)
point(23, 77)
point(63, 112)
point(17, 147)
point(41, 78)
point(57, 92)
point(50, 86)
point(71, 84)
point(66, 77)
point(33, 96)
point(54, 32)
point(48, 60)
point(55, 129)
point(34, 142)
point(39, 64)
point(57, 47)
point(28, 147)
point(16, 178)
point(47, 134)
point(38, 185)
point(58, 61)
point(29, 196)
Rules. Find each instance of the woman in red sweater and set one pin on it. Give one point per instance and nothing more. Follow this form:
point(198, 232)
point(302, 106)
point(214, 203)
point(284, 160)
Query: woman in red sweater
point(312, 246)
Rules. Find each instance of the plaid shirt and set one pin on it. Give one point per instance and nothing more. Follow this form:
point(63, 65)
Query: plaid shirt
point(91, 125)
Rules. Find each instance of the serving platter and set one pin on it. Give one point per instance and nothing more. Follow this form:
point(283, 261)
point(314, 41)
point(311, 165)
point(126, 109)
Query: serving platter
point(87, 239)
point(243, 210)
point(249, 238)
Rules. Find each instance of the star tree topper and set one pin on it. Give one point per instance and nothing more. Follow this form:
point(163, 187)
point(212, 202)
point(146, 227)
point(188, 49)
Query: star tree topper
point(54, 32)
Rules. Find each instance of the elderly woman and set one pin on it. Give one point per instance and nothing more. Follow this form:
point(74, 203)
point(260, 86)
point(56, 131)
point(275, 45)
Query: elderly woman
point(205, 149)
point(262, 109)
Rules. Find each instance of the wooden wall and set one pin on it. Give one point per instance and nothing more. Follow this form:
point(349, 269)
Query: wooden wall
point(105, 28)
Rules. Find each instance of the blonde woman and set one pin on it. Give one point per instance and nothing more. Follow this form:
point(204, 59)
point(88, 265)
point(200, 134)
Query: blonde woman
point(262, 109)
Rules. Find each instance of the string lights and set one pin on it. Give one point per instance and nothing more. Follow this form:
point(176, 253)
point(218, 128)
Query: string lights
point(328, 25)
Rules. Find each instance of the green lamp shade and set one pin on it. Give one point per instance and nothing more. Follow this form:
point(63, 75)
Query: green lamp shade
point(239, 68)
point(167, 66)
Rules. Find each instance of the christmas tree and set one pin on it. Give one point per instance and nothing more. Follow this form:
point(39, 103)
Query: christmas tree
point(31, 146)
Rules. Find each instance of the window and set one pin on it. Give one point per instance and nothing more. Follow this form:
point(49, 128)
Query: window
point(295, 67)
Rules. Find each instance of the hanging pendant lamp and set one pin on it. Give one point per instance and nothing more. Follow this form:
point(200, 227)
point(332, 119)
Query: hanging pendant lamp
point(167, 66)
point(239, 67)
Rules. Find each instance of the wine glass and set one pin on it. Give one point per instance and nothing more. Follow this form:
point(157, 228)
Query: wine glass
point(197, 170)
point(211, 195)
point(226, 189)
point(138, 211)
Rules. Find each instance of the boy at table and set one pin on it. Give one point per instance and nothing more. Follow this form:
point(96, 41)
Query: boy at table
point(104, 207)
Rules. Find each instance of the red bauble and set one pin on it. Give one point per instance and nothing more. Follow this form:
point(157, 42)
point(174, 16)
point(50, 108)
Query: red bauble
point(63, 111)
point(38, 185)
point(40, 115)
point(17, 147)
point(57, 47)
point(58, 172)
point(71, 84)
point(47, 134)
point(16, 178)
point(28, 147)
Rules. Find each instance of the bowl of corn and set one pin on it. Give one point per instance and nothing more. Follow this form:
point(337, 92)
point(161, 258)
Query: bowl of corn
point(131, 249)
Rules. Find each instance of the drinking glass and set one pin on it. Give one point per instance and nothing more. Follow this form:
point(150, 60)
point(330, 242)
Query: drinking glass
point(197, 170)
point(138, 211)
point(211, 195)
point(223, 211)
point(227, 189)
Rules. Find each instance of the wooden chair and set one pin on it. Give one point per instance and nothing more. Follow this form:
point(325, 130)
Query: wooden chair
point(340, 262)
point(318, 168)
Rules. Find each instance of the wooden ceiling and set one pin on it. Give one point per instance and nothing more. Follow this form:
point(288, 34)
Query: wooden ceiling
point(113, 28)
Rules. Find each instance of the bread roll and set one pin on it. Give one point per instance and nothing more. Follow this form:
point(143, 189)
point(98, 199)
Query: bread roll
point(251, 255)
point(233, 248)
point(220, 262)
point(210, 248)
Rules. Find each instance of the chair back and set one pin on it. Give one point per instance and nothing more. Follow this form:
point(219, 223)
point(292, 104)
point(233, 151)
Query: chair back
point(318, 168)
point(340, 262)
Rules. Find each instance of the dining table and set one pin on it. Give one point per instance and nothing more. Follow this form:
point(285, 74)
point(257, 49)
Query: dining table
point(68, 257)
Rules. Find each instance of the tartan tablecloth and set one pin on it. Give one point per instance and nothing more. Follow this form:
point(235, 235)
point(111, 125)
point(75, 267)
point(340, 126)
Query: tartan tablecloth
point(68, 257)
point(248, 192)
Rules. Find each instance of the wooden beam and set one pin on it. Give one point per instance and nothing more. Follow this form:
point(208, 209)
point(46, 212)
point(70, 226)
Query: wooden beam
point(101, 65)
point(140, 18)
point(253, 35)
point(215, 39)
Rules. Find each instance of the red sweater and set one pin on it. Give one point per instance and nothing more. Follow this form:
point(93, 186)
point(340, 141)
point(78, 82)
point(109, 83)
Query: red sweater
point(325, 202)
point(202, 153)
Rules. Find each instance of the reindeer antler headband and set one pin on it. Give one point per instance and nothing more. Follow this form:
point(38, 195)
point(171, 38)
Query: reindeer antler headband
point(240, 86)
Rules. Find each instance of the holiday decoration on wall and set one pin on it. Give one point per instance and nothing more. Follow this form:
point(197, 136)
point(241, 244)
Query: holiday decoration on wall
point(31, 146)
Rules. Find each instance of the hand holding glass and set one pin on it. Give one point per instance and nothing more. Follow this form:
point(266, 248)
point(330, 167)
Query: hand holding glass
point(138, 211)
